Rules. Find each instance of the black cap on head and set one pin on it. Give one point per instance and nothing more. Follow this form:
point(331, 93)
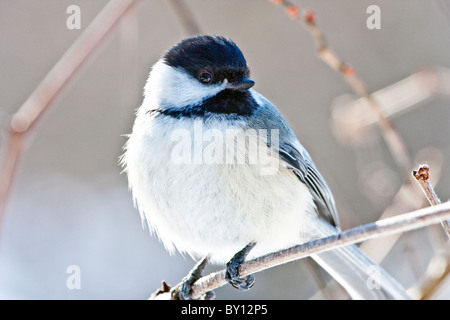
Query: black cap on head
point(215, 55)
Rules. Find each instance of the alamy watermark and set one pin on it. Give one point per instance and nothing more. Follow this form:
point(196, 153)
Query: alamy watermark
point(373, 282)
point(229, 146)
point(74, 20)
point(373, 22)
point(73, 281)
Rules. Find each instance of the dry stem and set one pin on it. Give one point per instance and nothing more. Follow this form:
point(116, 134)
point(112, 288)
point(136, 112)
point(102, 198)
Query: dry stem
point(393, 140)
point(422, 175)
point(401, 223)
point(49, 88)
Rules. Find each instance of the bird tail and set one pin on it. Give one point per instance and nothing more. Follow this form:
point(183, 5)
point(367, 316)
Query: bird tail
point(360, 277)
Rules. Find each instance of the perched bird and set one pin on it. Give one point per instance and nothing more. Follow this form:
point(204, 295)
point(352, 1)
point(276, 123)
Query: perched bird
point(215, 170)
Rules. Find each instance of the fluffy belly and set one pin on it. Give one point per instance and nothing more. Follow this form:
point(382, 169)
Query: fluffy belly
point(215, 209)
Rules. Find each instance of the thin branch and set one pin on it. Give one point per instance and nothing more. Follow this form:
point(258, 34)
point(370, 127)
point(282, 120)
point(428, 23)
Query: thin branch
point(393, 140)
point(351, 120)
point(405, 222)
point(51, 86)
point(422, 175)
point(408, 198)
point(439, 267)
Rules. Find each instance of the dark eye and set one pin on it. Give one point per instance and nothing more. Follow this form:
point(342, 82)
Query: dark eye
point(205, 77)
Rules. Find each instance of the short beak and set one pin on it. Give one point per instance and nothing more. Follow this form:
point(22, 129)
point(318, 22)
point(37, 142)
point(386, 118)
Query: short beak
point(242, 84)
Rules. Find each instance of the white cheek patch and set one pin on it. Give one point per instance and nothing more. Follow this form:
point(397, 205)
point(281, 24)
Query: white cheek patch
point(173, 87)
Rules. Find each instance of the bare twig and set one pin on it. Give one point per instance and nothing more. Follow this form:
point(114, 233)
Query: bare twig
point(422, 175)
point(352, 119)
point(393, 140)
point(405, 222)
point(439, 267)
point(50, 87)
point(408, 198)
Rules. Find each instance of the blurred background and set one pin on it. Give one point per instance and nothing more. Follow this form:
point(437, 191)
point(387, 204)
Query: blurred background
point(70, 205)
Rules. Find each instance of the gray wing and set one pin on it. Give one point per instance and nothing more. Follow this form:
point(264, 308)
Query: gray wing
point(296, 158)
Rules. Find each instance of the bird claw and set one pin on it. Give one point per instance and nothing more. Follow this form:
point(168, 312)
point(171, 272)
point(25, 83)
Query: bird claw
point(184, 291)
point(232, 271)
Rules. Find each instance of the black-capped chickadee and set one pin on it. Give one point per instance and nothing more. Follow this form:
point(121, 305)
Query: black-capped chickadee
point(216, 171)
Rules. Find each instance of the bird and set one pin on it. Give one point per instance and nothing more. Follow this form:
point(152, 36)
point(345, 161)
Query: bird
point(216, 171)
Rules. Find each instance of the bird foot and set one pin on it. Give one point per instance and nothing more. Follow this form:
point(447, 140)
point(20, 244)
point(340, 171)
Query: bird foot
point(184, 291)
point(232, 274)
